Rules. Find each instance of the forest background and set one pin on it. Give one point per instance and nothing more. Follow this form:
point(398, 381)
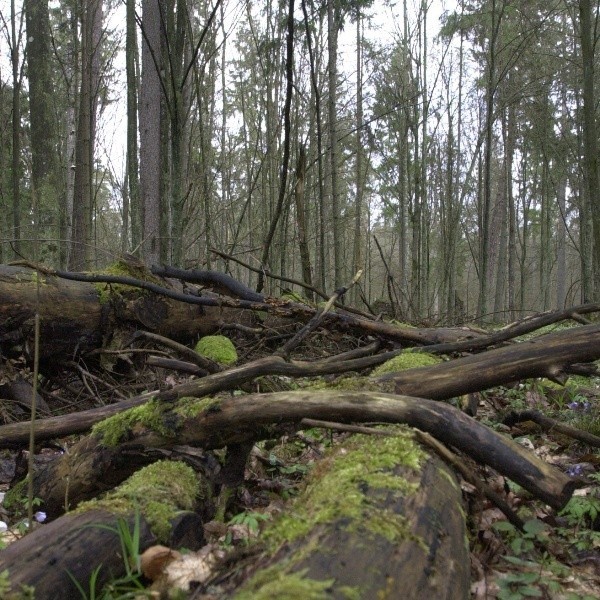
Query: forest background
point(451, 151)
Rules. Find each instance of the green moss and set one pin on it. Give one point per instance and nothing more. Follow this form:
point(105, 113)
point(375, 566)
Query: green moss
point(366, 464)
point(189, 407)
point(122, 268)
point(274, 583)
point(159, 491)
point(162, 418)
point(348, 489)
point(293, 297)
point(401, 324)
point(350, 592)
point(15, 498)
point(218, 348)
point(407, 360)
point(115, 429)
point(351, 383)
point(25, 592)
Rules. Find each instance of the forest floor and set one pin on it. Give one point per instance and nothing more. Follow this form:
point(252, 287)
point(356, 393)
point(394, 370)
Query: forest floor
point(557, 556)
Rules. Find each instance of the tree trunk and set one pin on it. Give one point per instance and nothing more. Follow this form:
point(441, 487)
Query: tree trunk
point(82, 239)
point(383, 530)
point(16, 132)
point(150, 116)
point(72, 548)
point(132, 235)
point(592, 180)
point(43, 140)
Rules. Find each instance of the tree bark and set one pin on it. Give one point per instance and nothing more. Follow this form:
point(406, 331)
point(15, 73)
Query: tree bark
point(592, 179)
point(150, 129)
point(417, 552)
point(92, 463)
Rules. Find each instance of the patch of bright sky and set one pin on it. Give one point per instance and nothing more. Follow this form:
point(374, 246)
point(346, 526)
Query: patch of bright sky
point(385, 26)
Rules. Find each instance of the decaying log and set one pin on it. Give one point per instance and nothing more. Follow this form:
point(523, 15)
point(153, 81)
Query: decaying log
point(545, 356)
point(239, 420)
point(376, 530)
point(78, 309)
point(73, 546)
point(76, 316)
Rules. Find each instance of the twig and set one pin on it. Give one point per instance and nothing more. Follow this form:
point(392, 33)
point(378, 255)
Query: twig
point(469, 476)
point(551, 425)
point(287, 348)
point(204, 363)
point(344, 427)
point(302, 284)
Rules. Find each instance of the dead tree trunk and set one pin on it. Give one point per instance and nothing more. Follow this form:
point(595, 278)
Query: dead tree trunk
point(379, 518)
point(380, 515)
point(104, 458)
point(156, 502)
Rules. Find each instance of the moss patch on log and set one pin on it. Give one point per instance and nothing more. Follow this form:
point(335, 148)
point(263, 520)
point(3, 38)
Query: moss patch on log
point(336, 488)
point(159, 491)
point(162, 418)
point(218, 348)
point(272, 583)
point(122, 268)
point(348, 490)
point(407, 360)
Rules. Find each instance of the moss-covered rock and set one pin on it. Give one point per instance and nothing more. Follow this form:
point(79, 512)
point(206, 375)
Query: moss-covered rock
point(159, 491)
point(407, 360)
point(218, 348)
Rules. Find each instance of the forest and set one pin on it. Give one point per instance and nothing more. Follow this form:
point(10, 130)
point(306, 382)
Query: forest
point(450, 150)
point(299, 299)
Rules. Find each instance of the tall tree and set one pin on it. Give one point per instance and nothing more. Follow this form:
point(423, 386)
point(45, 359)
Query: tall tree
point(15, 40)
point(150, 118)
point(82, 240)
point(43, 140)
point(133, 206)
point(333, 18)
point(590, 132)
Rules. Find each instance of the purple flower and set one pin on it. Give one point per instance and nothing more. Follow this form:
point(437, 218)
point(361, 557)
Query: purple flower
point(575, 471)
point(40, 516)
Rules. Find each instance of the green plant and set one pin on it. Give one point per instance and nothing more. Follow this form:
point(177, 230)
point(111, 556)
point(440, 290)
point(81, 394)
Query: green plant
point(249, 520)
point(25, 592)
point(534, 533)
point(129, 585)
point(517, 585)
point(581, 511)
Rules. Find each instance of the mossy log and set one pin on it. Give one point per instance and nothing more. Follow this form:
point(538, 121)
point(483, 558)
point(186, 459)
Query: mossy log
point(156, 502)
point(379, 518)
point(549, 356)
point(545, 356)
point(78, 310)
point(77, 316)
point(103, 457)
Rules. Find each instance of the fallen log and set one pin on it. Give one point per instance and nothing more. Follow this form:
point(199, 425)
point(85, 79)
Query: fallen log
point(152, 505)
point(77, 310)
point(213, 423)
point(546, 356)
point(77, 316)
point(379, 518)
